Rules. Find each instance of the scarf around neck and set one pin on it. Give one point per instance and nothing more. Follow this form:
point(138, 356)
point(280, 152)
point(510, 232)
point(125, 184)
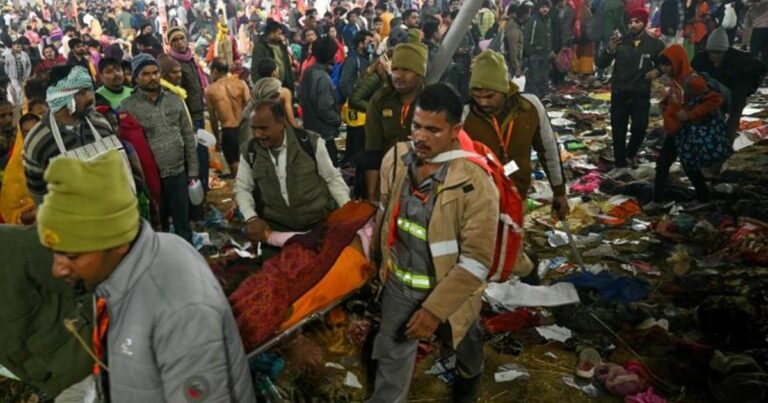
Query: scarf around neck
point(189, 57)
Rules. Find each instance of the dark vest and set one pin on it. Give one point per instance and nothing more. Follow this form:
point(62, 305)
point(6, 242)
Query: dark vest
point(308, 193)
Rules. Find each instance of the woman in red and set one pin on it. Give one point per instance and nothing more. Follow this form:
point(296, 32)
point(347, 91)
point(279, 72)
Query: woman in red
point(51, 58)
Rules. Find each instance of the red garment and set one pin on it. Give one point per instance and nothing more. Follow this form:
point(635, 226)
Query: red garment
point(683, 90)
point(131, 131)
point(514, 321)
point(262, 302)
point(46, 65)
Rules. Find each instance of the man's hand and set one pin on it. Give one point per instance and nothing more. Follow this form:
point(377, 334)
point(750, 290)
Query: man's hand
point(614, 43)
point(652, 75)
point(422, 325)
point(560, 207)
point(682, 116)
point(257, 230)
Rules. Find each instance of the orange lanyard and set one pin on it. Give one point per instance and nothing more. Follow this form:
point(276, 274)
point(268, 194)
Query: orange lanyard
point(505, 140)
point(100, 332)
point(404, 114)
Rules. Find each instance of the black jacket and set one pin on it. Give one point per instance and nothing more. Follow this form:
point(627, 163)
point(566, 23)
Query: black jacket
point(318, 101)
point(632, 63)
point(262, 50)
point(741, 72)
point(669, 18)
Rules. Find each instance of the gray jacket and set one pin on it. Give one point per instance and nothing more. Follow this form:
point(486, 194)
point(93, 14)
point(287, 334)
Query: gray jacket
point(172, 336)
point(168, 130)
point(318, 101)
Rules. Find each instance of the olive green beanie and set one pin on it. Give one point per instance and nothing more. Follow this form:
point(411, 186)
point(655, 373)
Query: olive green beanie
point(411, 57)
point(90, 205)
point(489, 72)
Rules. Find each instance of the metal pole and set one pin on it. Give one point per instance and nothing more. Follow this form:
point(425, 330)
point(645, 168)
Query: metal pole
point(459, 28)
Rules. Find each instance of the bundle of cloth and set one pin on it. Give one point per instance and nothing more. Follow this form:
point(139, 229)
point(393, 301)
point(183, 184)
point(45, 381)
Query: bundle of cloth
point(311, 271)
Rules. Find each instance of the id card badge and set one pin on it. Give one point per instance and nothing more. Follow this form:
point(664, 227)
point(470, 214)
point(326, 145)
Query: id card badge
point(510, 168)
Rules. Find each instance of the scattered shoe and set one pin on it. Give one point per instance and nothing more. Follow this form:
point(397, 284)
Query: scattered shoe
point(655, 206)
point(589, 360)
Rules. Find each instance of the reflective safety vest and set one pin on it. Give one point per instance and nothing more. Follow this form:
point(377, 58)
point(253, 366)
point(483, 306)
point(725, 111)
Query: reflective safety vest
point(412, 258)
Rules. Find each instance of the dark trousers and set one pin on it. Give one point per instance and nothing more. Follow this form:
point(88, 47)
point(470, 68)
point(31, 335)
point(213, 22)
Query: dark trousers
point(230, 144)
point(758, 44)
point(174, 204)
point(666, 158)
point(355, 156)
point(627, 105)
point(734, 119)
point(538, 75)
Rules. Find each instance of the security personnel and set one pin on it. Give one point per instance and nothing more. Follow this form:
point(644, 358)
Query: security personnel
point(389, 114)
point(436, 249)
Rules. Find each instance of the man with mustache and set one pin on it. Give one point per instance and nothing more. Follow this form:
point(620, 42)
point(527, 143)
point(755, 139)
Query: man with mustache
point(389, 113)
point(286, 180)
point(437, 245)
point(171, 137)
point(71, 100)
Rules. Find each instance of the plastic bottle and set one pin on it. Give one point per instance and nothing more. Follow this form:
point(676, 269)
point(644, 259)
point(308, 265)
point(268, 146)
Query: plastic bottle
point(266, 390)
point(196, 194)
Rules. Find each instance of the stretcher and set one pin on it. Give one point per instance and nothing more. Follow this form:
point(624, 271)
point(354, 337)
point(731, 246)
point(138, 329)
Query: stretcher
point(317, 309)
point(308, 278)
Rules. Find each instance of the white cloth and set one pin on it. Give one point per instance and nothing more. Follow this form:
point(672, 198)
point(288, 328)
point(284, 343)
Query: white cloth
point(244, 183)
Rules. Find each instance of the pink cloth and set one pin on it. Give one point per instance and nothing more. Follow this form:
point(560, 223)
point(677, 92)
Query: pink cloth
point(649, 396)
point(587, 183)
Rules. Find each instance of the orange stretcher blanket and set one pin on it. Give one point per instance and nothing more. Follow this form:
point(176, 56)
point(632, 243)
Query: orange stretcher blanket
point(350, 272)
point(266, 299)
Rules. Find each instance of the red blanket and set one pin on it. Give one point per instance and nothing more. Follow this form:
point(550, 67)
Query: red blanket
point(263, 300)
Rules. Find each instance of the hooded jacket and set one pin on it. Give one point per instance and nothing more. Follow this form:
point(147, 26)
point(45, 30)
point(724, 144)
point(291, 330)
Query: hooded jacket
point(686, 87)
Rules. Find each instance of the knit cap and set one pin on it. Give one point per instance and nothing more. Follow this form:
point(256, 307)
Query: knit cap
point(489, 72)
point(718, 41)
point(166, 64)
point(89, 206)
point(414, 35)
point(174, 30)
point(140, 61)
point(411, 57)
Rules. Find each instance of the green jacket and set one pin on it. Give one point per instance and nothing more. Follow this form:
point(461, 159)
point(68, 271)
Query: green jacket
point(310, 198)
point(387, 120)
point(537, 34)
point(612, 13)
point(36, 346)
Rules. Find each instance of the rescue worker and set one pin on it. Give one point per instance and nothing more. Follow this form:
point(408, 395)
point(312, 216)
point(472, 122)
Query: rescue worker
point(511, 124)
point(389, 113)
point(436, 249)
point(286, 180)
point(163, 327)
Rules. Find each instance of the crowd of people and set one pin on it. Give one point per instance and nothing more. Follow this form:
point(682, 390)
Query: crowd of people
point(104, 147)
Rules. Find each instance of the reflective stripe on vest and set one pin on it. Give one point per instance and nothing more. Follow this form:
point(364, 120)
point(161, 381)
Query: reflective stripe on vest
point(413, 280)
point(412, 228)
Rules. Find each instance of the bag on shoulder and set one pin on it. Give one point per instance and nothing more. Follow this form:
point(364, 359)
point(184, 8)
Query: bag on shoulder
point(509, 234)
point(714, 85)
point(704, 144)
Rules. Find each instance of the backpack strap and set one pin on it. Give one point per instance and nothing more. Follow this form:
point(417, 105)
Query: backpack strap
point(305, 142)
